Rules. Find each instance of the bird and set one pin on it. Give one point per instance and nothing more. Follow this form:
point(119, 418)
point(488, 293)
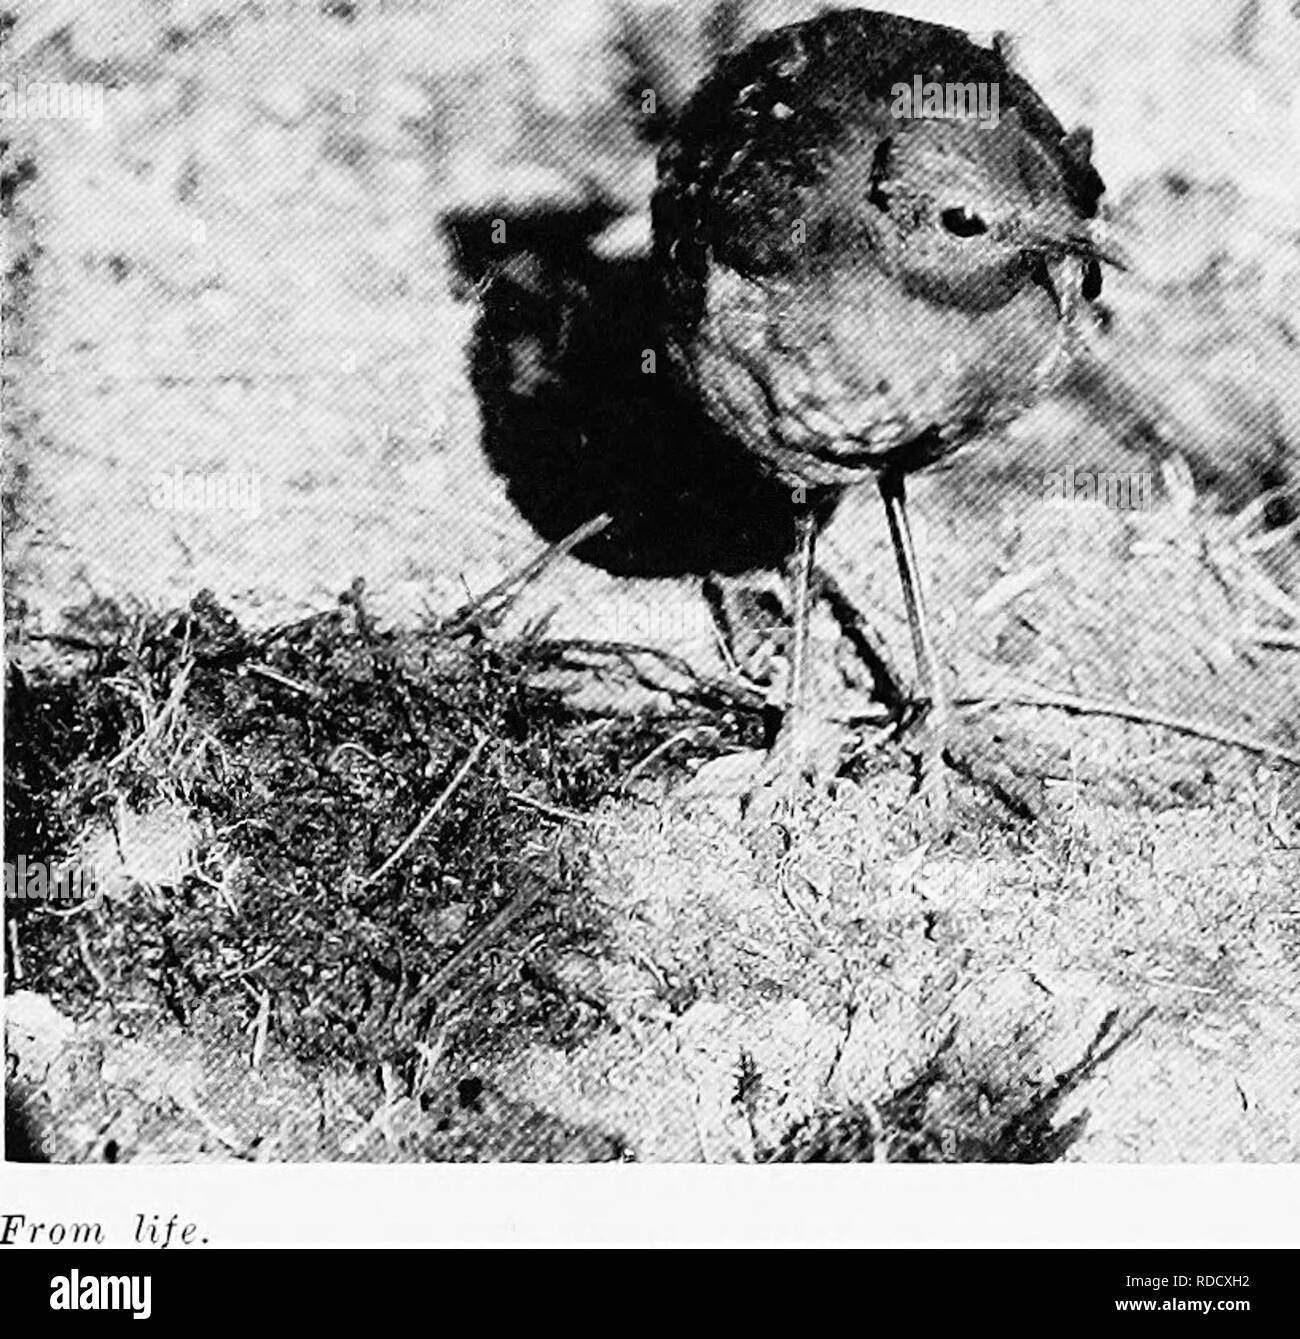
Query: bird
point(859, 272)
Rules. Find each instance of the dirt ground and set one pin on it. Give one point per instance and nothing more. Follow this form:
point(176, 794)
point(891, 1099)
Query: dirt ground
point(263, 261)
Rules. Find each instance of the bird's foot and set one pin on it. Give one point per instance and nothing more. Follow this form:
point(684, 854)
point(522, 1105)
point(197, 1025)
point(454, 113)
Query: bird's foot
point(932, 800)
point(772, 788)
point(802, 761)
point(931, 804)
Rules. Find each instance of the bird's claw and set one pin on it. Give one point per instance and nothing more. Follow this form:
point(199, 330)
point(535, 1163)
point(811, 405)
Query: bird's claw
point(803, 760)
point(931, 801)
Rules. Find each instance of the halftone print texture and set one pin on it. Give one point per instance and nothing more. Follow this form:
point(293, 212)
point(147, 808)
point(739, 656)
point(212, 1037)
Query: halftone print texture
point(696, 582)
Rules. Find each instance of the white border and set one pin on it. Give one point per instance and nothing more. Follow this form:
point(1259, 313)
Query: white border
point(620, 1204)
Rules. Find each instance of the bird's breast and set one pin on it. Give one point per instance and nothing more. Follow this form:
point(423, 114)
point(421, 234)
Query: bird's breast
point(830, 377)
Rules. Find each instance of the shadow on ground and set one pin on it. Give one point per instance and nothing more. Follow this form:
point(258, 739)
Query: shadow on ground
point(575, 424)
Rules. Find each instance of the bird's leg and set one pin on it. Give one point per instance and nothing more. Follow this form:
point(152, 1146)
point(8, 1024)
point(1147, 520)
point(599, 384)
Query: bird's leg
point(939, 711)
point(793, 738)
point(773, 793)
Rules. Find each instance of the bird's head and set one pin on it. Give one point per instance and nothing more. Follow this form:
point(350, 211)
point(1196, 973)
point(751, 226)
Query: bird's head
point(969, 214)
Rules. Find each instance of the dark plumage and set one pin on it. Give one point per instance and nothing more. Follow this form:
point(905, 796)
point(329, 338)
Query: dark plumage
point(854, 292)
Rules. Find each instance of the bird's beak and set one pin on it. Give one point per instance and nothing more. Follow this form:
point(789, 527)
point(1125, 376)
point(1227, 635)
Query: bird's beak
point(1072, 257)
point(1103, 247)
point(1086, 241)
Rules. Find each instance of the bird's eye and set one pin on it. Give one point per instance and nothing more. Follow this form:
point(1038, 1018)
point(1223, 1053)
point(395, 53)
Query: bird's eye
point(1091, 279)
point(962, 222)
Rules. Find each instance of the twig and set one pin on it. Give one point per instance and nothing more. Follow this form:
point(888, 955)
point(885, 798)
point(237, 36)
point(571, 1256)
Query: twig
point(478, 941)
point(66, 639)
point(352, 746)
point(708, 690)
point(294, 685)
point(151, 728)
point(494, 602)
point(550, 810)
point(1178, 985)
point(1268, 591)
point(880, 1140)
point(1031, 695)
point(282, 633)
point(1270, 539)
point(15, 955)
point(433, 811)
point(88, 960)
point(659, 750)
point(260, 1028)
point(242, 973)
point(1006, 588)
point(1254, 511)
